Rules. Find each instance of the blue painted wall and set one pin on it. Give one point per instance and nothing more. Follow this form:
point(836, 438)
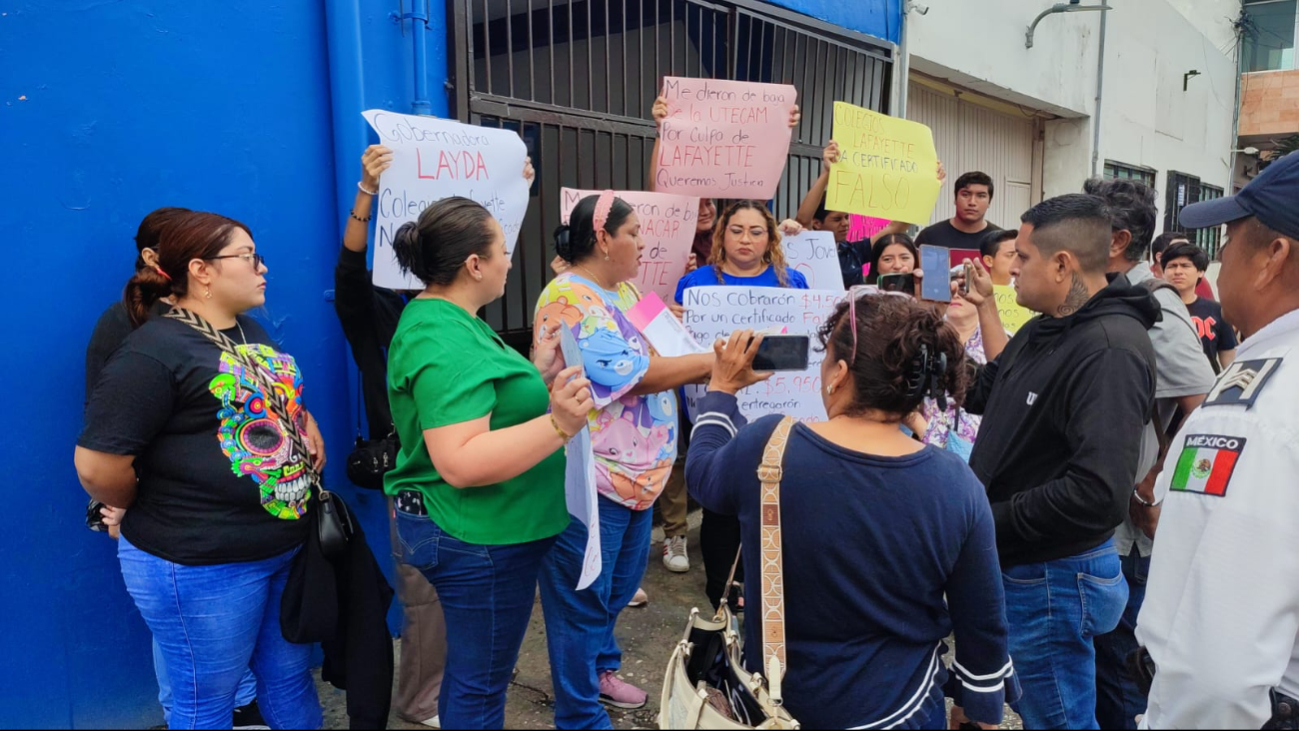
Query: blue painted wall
point(107, 110)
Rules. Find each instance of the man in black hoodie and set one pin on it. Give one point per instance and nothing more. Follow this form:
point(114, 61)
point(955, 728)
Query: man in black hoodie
point(1064, 406)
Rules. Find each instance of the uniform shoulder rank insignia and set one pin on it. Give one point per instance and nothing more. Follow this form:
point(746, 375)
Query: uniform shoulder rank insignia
point(1242, 382)
point(1206, 464)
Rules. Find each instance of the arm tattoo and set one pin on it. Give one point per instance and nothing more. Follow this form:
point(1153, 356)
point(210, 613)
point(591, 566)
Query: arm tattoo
point(1077, 297)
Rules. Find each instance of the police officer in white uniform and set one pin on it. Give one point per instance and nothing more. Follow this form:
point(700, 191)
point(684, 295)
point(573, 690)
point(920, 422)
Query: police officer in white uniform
point(1221, 617)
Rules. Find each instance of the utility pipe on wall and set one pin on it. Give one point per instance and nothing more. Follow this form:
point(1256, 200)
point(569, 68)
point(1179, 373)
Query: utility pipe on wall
point(419, 27)
point(1100, 88)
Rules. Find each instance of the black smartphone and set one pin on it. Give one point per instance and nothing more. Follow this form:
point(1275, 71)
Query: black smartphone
point(937, 263)
point(783, 353)
point(904, 283)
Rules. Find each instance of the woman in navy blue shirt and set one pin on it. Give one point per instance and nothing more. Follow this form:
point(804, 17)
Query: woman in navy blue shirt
point(877, 529)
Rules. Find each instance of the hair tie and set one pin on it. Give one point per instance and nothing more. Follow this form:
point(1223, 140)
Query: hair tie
point(165, 275)
point(603, 208)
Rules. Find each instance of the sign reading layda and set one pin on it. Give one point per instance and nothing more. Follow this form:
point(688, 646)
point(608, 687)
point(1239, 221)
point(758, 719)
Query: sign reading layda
point(713, 313)
point(435, 159)
point(724, 139)
point(888, 167)
point(667, 226)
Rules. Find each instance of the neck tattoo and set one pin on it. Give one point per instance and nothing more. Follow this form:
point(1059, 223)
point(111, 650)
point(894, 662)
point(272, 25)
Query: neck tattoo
point(1075, 299)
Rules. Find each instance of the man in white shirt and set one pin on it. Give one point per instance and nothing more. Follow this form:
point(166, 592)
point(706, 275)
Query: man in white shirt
point(1221, 614)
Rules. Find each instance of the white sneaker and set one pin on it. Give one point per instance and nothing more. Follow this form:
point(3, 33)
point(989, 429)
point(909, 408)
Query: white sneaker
point(434, 722)
point(674, 555)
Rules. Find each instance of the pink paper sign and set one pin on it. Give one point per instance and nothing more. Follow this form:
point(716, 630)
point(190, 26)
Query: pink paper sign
point(667, 225)
point(861, 228)
point(724, 139)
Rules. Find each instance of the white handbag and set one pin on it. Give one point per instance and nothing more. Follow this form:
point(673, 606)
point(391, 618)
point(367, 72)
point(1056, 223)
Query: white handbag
point(706, 686)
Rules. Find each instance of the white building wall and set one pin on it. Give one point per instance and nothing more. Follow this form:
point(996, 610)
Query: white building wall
point(1146, 118)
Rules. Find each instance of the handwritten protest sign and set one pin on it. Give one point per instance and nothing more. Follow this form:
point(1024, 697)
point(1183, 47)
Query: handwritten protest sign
point(435, 159)
point(1013, 316)
point(887, 167)
point(862, 228)
point(579, 479)
point(816, 256)
point(667, 225)
point(724, 139)
point(713, 313)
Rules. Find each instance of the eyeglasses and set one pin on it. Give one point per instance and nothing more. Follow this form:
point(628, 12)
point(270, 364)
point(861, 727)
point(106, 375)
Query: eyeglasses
point(854, 294)
point(257, 260)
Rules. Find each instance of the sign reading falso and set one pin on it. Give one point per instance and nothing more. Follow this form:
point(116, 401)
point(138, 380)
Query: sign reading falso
point(724, 139)
point(435, 159)
point(887, 167)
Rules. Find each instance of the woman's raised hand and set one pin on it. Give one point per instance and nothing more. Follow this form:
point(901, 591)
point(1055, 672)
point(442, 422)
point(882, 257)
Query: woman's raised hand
point(374, 161)
point(733, 369)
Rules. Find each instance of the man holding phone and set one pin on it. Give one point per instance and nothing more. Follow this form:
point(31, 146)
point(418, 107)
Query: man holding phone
point(1064, 407)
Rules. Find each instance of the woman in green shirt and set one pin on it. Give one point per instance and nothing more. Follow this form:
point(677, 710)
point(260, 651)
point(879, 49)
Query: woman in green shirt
point(479, 481)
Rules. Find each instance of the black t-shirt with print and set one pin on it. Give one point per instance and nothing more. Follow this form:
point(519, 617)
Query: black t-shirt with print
point(1216, 334)
point(219, 480)
point(945, 234)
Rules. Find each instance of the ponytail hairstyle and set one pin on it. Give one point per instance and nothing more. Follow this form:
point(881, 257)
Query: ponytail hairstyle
point(877, 252)
point(775, 255)
point(146, 237)
point(447, 233)
point(187, 236)
point(902, 353)
point(575, 241)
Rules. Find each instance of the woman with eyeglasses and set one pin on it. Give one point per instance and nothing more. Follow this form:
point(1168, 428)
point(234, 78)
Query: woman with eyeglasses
point(746, 253)
point(888, 545)
point(215, 471)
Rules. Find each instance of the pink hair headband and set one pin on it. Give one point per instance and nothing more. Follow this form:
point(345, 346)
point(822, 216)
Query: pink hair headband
point(603, 208)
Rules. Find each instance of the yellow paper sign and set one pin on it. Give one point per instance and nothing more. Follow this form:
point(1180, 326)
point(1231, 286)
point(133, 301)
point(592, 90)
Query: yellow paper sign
point(1013, 316)
point(887, 168)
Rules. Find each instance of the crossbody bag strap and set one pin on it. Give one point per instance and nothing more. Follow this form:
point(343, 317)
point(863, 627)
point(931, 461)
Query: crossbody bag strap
point(770, 473)
point(269, 391)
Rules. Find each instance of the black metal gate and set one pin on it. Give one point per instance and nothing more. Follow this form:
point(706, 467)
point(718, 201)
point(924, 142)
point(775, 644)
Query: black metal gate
point(577, 78)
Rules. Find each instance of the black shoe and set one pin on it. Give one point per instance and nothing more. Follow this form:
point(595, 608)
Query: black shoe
point(248, 717)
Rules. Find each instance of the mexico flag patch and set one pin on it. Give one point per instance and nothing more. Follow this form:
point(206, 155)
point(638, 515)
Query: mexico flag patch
point(1206, 464)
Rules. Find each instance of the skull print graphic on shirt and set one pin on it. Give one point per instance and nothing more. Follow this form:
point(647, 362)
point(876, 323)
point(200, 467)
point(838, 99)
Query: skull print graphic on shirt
point(250, 433)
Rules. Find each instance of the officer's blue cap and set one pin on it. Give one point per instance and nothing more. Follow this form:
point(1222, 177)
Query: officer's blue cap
point(1271, 197)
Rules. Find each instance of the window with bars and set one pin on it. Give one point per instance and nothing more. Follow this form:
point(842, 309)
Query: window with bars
point(1120, 171)
point(1209, 239)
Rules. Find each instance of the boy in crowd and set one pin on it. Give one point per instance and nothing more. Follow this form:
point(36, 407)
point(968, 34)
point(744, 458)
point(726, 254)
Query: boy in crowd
point(998, 250)
point(965, 230)
point(1184, 265)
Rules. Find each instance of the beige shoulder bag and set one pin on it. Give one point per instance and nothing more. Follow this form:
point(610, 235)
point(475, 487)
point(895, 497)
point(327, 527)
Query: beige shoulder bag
point(706, 686)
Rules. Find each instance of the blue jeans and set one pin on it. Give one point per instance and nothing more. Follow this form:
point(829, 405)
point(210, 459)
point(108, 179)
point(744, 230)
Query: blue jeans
point(579, 624)
point(487, 595)
point(1118, 701)
point(246, 694)
point(212, 624)
point(1054, 610)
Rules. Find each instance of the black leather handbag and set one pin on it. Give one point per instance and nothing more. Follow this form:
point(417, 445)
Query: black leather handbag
point(371, 459)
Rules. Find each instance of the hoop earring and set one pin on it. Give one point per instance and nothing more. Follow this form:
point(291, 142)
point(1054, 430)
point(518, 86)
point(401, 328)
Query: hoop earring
point(606, 256)
point(208, 294)
point(829, 390)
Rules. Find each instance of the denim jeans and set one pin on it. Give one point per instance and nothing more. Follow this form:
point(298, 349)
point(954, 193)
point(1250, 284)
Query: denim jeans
point(579, 624)
point(212, 624)
point(1054, 611)
point(1118, 700)
point(487, 595)
point(247, 692)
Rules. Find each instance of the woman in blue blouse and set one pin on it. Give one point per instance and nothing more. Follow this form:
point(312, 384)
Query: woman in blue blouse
point(746, 253)
point(877, 529)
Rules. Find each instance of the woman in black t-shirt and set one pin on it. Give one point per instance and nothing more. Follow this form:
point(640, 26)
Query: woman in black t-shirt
point(224, 478)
